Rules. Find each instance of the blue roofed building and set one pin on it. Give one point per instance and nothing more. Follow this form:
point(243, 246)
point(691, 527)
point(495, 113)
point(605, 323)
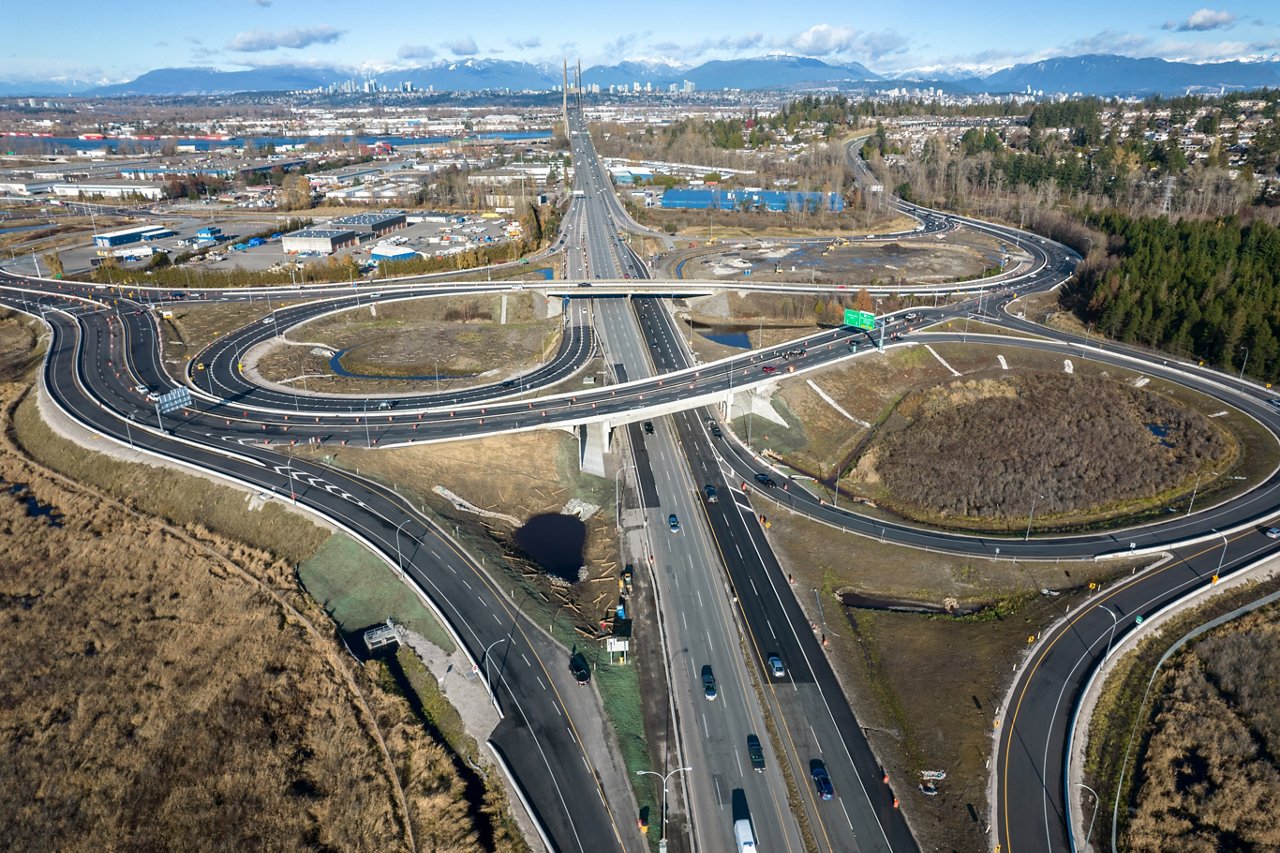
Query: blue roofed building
point(777, 201)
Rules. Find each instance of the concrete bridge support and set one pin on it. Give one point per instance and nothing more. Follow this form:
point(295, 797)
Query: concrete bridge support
point(593, 444)
point(756, 400)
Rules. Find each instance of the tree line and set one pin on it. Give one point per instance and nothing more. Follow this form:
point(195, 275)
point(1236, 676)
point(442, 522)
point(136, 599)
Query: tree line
point(1206, 289)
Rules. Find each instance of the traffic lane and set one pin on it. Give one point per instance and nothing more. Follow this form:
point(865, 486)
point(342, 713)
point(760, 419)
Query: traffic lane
point(783, 610)
point(1036, 725)
point(812, 728)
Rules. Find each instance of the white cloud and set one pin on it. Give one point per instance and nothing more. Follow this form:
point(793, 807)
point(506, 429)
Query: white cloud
point(462, 47)
point(417, 51)
point(822, 40)
point(297, 38)
point(1203, 20)
point(261, 3)
point(526, 43)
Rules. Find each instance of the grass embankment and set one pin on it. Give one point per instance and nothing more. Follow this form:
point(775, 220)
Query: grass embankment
point(1202, 770)
point(1017, 410)
point(357, 590)
point(926, 686)
point(459, 338)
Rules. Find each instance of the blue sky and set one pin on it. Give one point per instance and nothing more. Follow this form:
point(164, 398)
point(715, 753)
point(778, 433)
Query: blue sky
point(112, 41)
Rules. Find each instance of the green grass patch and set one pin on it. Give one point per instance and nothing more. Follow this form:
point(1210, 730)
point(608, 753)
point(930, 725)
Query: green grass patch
point(357, 589)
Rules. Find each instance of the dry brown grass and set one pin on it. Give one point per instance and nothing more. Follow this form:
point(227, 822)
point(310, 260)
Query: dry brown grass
point(1210, 776)
point(169, 688)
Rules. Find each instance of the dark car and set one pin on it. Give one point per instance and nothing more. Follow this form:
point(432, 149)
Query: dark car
point(710, 491)
point(756, 753)
point(580, 668)
point(673, 523)
point(709, 683)
point(715, 430)
point(765, 480)
point(821, 780)
point(648, 427)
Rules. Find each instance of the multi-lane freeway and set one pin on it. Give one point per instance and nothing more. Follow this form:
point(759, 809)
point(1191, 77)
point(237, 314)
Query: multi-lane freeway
point(718, 576)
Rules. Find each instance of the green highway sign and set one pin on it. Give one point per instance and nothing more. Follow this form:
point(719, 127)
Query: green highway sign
point(859, 319)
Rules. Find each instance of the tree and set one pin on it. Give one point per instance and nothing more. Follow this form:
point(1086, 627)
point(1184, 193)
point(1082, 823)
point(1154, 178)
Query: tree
point(53, 260)
point(297, 192)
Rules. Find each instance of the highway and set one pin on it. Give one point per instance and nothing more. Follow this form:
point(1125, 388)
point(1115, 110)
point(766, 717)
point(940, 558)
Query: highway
point(102, 349)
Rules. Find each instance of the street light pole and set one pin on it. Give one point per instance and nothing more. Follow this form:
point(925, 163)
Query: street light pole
point(663, 836)
point(1223, 558)
point(1096, 801)
point(492, 693)
point(1244, 363)
point(1115, 620)
point(1031, 517)
point(399, 560)
point(1195, 490)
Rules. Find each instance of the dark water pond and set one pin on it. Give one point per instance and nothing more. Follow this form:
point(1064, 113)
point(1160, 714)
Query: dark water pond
point(555, 542)
point(730, 336)
point(35, 508)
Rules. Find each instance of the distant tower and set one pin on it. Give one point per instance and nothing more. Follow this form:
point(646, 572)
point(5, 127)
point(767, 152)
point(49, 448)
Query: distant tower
point(564, 91)
point(578, 84)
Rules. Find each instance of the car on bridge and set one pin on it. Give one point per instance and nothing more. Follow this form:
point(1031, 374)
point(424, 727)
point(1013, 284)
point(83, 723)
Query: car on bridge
point(775, 666)
point(673, 523)
point(765, 480)
point(769, 368)
point(1272, 532)
point(648, 427)
point(710, 492)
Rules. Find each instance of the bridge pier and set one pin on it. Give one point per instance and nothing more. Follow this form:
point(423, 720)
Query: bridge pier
point(756, 400)
point(593, 444)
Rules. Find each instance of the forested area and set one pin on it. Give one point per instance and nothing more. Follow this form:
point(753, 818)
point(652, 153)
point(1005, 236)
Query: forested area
point(1205, 289)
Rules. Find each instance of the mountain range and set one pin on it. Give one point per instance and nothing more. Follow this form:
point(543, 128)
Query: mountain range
point(1093, 74)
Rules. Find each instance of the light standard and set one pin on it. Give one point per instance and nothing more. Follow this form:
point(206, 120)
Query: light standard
point(399, 560)
point(1244, 363)
point(1096, 800)
point(492, 693)
point(1115, 620)
point(663, 836)
point(1031, 517)
point(1223, 558)
point(617, 492)
point(1196, 489)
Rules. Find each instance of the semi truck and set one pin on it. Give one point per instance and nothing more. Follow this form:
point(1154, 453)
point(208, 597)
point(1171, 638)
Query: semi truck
point(744, 836)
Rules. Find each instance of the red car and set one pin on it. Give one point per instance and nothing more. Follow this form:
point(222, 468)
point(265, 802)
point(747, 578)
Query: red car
point(769, 368)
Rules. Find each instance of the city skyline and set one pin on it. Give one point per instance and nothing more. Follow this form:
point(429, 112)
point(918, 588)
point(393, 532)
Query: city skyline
point(928, 36)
